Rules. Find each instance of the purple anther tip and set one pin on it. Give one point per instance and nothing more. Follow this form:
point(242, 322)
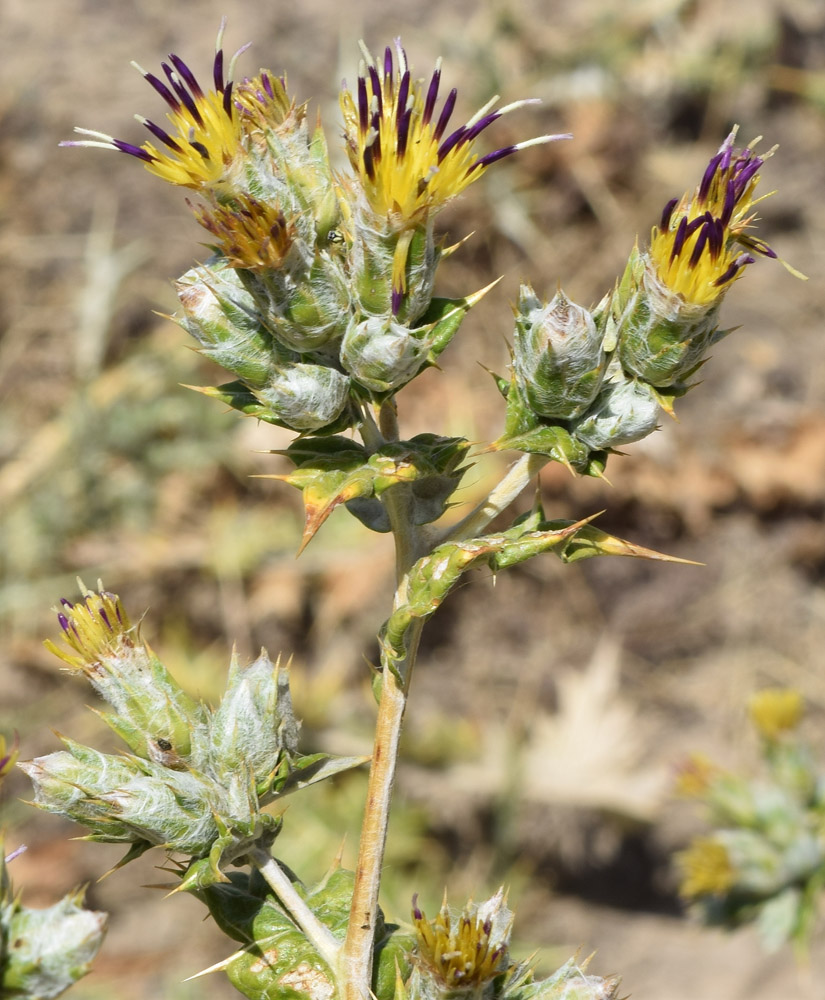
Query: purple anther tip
point(376, 89)
point(397, 299)
point(66, 603)
point(64, 621)
point(200, 148)
point(162, 135)
point(488, 926)
point(363, 105)
point(481, 124)
point(444, 117)
point(432, 95)
point(497, 154)
point(699, 246)
point(667, 214)
point(105, 618)
point(187, 74)
point(679, 238)
point(388, 67)
point(163, 90)
point(138, 151)
point(217, 71)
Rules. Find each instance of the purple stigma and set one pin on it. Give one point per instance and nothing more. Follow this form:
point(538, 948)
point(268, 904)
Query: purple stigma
point(164, 137)
point(667, 214)
point(432, 95)
point(217, 71)
point(444, 117)
point(187, 74)
point(139, 152)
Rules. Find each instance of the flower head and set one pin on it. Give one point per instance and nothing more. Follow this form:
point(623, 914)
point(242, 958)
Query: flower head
point(774, 711)
point(93, 628)
point(471, 951)
point(407, 160)
point(701, 244)
point(706, 869)
point(249, 233)
point(201, 145)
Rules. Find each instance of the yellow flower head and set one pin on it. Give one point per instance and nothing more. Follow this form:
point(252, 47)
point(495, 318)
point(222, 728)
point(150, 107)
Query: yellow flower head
point(93, 628)
point(702, 245)
point(774, 711)
point(8, 756)
point(706, 869)
point(408, 162)
point(205, 139)
point(249, 233)
point(470, 952)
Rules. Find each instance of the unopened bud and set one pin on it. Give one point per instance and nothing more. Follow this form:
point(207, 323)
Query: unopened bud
point(558, 356)
point(223, 317)
point(622, 412)
point(382, 354)
point(254, 727)
point(305, 308)
point(304, 397)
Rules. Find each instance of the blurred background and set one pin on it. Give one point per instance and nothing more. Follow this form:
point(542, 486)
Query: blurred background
point(549, 712)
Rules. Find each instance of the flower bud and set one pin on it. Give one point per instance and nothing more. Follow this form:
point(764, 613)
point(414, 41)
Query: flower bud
point(222, 316)
point(304, 397)
point(622, 412)
point(304, 308)
point(254, 727)
point(662, 336)
point(382, 354)
point(42, 952)
point(558, 356)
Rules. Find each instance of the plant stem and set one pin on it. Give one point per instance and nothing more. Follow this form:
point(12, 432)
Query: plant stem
point(357, 955)
point(517, 478)
point(324, 941)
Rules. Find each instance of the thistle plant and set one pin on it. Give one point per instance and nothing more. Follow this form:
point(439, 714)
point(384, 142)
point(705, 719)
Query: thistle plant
point(319, 299)
point(764, 860)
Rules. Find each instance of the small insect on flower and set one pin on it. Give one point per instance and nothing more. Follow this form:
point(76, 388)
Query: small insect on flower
point(208, 130)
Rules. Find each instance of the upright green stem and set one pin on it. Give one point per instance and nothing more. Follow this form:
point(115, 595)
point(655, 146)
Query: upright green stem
point(357, 955)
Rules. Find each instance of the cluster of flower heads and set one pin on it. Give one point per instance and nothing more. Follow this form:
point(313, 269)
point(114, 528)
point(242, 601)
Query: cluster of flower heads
point(763, 861)
point(320, 295)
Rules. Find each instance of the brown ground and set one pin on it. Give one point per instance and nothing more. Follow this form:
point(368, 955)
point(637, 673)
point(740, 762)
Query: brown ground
point(550, 711)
